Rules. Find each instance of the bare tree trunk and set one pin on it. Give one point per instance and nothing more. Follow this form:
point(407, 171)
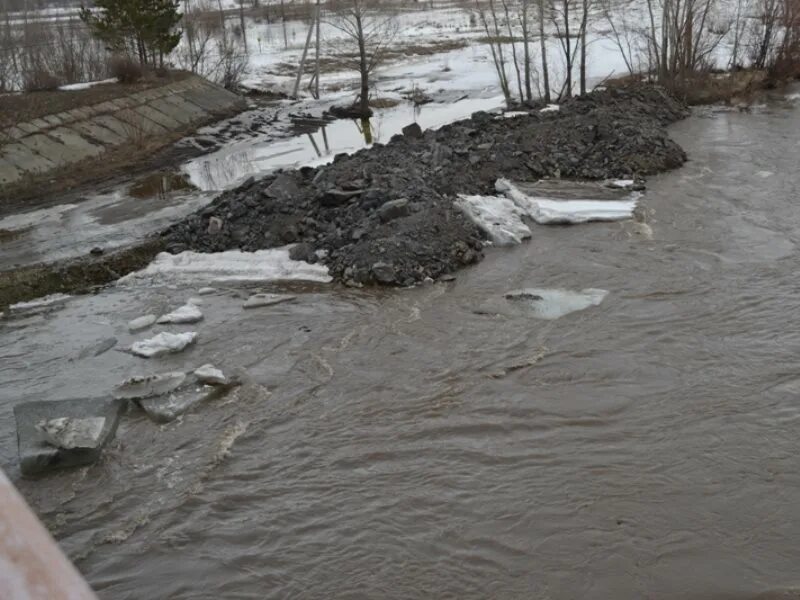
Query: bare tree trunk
point(543, 42)
point(303, 60)
point(316, 56)
point(526, 49)
point(513, 51)
point(241, 24)
point(363, 67)
point(497, 59)
point(584, 23)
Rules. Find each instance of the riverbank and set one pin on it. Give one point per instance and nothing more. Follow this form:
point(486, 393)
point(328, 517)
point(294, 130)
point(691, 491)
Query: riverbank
point(387, 214)
point(95, 132)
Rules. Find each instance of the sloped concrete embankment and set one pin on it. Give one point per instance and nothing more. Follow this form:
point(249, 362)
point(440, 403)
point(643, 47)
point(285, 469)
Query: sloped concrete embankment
point(32, 149)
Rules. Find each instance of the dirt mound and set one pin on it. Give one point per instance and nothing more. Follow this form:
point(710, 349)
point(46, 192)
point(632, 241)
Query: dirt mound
point(386, 214)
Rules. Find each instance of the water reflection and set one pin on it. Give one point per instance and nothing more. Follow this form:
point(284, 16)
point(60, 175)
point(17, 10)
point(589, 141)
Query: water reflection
point(259, 155)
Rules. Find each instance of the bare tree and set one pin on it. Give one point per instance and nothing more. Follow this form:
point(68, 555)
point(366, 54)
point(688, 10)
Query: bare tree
point(370, 29)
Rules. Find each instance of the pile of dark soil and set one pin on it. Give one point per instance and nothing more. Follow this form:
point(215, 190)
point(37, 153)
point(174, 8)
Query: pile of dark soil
point(386, 215)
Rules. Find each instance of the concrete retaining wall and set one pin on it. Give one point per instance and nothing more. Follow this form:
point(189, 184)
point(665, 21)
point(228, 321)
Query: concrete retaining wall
point(55, 141)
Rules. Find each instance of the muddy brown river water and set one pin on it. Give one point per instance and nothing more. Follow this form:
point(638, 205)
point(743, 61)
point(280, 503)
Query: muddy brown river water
point(405, 444)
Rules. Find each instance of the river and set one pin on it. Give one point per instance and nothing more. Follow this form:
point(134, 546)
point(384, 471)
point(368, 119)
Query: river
point(410, 443)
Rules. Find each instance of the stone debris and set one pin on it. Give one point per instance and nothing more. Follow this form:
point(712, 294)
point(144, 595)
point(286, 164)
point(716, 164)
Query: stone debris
point(259, 300)
point(163, 343)
point(145, 386)
point(208, 374)
point(141, 323)
point(188, 313)
point(395, 204)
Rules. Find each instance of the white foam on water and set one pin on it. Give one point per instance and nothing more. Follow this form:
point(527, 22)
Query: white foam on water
point(499, 217)
point(557, 212)
point(550, 304)
point(228, 266)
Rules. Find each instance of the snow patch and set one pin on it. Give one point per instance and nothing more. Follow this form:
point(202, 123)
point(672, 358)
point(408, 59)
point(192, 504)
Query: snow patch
point(549, 212)
point(551, 108)
point(73, 87)
point(163, 343)
point(231, 265)
point(500, 218)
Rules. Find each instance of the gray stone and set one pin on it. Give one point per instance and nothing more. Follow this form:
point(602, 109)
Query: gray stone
point(338, 197)
point(214, 225)
point(412, 131)
point(394, 209)
point(36, 455)
point(283, 188)
point(384, 272)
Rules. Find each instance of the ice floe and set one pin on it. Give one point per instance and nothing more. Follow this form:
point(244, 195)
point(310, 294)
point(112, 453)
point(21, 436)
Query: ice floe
point(163, 343)
point(70, 433)
point(146, 386)
point(208, 374)
point(188, 313)
point(230, 266)
point(257, 300)
point(551, 108)
point(549, 212)
point(500, 218)
point(551, 304)
point(39, 303)
point(141, 322)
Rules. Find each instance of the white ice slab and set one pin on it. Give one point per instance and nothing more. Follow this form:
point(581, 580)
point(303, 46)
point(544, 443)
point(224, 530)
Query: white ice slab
point(551, 304)
point(163, 343)
point(499, 217)
point(551, 108)
point(188, 313)
point(43, 302)
point(232, 265)
point(146, 386)
point(555, 212)
point(72, 87)
point(209, 375)
point(69, 433)
point(141, 322)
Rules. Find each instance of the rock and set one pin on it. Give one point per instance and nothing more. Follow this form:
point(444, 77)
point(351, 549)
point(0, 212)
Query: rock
point(283, 187)
point(163, 343)
point(145, 386)
point(214, 226)
point(188, 313)
point(37, 455)
point(209, 375)
point(258, 300)
point(99, 348)
point(96, 251)
point(332, 198)
point(141, 323)
point(304, 252)
point(394, 209)
point(384, 272)
point(205, 291)
point(70, 433)
point(195, 301)
point(412, 131)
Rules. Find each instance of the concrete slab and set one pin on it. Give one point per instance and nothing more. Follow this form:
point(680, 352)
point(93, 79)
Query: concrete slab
point(79, 114)
point(9, 173)
point(65, 117)
point(102, 108)
point(109, 122)
point(194, 111)
point(95, 131)
point(208, 99)
point(15, 133)
point(28, 128)
point(158, 117)
point(171, 111)
point(38, 456)
point(25, 159)
point(50, 148)
point(53, 120)
point(137, 124)
point(40, 124)
point(79, 147)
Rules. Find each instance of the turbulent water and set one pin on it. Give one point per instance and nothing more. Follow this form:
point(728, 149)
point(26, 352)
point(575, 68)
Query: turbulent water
point(399, 444)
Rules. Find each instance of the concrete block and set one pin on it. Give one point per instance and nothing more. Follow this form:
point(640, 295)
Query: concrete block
point(194, 111)
point(36, 455)
point(171, 111)
point(137, 124)
point(115, 125)
point(158, 117)
point(28, 128)
point(8, 173)
point(79, 114)
point(79, 148)
point(65, 117)
point(103, 108)
point(25, 159)
point(53, 120)
point(15, 133)
point(95, 131)
point(40, 124)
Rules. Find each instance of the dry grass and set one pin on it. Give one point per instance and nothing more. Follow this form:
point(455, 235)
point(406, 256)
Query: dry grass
point(707, 88)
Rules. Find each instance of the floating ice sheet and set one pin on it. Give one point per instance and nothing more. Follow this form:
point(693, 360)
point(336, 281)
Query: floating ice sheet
point(163, 343)
point(231, 265)
point(549, 212)
point(499, 217)
point(551, 304)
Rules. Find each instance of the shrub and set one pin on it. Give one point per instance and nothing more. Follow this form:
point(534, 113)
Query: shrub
point(40, 80)
point(125, 69)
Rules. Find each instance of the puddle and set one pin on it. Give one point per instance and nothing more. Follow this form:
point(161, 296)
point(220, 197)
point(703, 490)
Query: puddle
point(159, 185)
point(232, 164)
